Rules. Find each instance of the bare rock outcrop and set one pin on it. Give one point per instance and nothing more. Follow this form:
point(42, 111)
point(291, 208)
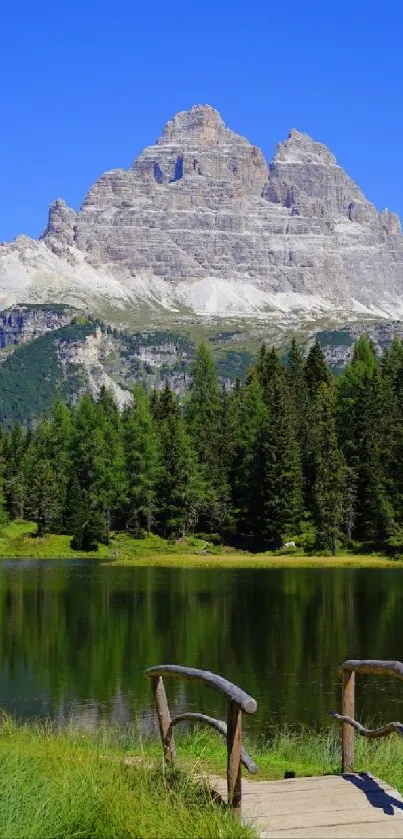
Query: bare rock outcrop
point(22, 324)
point(201, 224)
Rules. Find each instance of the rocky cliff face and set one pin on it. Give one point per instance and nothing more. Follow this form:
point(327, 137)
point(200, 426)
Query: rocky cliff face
point(201, 224)
point(25, 323)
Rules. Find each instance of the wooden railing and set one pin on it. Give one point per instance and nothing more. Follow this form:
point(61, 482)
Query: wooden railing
point(348, 670)
point(237, 701)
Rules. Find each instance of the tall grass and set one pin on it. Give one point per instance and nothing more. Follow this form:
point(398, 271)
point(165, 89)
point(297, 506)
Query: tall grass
point(61, 784)
point(305, 752)
point(56, 784)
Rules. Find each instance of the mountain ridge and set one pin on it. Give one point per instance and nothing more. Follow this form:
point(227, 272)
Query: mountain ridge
point(50, 352)
point(200, 225)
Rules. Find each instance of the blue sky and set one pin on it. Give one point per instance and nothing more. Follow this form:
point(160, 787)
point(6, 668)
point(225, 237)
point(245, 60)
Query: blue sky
point(86, 85)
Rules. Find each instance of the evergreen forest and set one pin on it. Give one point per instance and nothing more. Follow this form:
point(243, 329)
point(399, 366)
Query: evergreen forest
point(290, 454)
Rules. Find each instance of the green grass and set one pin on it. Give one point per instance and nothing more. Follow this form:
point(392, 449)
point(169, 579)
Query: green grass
point(110, 783)
point(311, 753)
point(63, 784)
point(18, 540)
point(305, 752)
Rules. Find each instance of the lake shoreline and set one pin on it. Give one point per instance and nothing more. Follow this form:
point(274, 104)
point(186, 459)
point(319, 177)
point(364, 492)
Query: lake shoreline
point(301, 749)
point(254, 561)
point(17, 541)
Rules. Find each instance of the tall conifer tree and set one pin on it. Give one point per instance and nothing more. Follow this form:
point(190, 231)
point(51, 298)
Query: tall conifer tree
point(329, 485)
point(277, 501)
point(316, 370)
point(360, 423)
point(180, 487)
point(251, 413)
point(141, 451)
point(204, 414)
point(3, 468)
point(109, 478)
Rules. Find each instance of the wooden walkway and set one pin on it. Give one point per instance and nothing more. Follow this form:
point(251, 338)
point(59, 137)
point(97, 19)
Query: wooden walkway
point(347, 806)
point(350, 806)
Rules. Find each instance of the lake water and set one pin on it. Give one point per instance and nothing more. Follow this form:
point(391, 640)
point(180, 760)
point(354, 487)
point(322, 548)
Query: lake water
point(76, 637)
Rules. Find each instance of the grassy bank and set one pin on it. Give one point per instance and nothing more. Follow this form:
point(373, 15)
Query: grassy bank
point(304, 752)
point(18, 540)
point(109, 784)
point(70, 785)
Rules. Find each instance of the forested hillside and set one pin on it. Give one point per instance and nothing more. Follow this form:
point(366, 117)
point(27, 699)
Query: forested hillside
point(290, 454)
point(32, 377)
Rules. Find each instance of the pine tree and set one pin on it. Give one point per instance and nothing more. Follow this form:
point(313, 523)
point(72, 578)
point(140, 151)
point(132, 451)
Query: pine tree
point(59, 453)
point(250, 415)
point(75, 507)
point(298, 384)
point(329, 484)
point(180, 491)
point(141, 452)
point(109, 486)
point(42, 503)
point(90, 528)
point(267, 369)
point(297, 381)
point(84, 448)
point(374, 519)
point(3, 468)
point(14, 481)
point(350, 501)
point(349, 387)
point(360, 414)
point(316, 370)
point(88, 477)
point(277, 480)
point(203, 411)
point(392, 421)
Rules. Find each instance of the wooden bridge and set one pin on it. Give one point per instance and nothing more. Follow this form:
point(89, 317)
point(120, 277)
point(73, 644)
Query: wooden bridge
point(346, 805)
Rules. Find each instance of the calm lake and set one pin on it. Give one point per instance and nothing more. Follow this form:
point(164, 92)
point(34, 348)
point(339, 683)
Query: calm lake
point(75, 638)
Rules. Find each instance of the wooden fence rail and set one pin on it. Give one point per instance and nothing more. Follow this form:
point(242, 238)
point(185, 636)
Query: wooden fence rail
point(237, 701)
point(348, 670)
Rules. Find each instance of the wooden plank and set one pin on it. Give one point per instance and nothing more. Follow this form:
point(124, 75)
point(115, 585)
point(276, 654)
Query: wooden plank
point(302, 785)
point(347, 746)
point(293, 804)
point(323, 819)
point(362, 830)
point(234, 736)
point(369, 784)
point(232, 692)
point(330, 806)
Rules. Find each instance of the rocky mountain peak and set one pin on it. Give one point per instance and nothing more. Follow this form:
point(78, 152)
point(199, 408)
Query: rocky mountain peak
point(59, 231)
point(200, 224)
point(301, 148)
point(201, 124)
point(202, 157)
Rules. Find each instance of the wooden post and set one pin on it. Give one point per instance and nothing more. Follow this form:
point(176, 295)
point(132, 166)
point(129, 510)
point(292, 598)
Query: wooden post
point(234, 736)
point(347, 741)
point(164, 719)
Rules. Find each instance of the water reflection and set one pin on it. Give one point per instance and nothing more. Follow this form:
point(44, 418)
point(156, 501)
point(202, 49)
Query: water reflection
point(76, 637)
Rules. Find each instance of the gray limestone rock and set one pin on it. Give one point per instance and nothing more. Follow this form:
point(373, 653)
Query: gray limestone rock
point(59, 233)
point(200, 223)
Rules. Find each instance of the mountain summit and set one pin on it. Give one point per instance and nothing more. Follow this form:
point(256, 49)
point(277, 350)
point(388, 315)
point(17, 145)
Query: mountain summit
point(201, 224)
